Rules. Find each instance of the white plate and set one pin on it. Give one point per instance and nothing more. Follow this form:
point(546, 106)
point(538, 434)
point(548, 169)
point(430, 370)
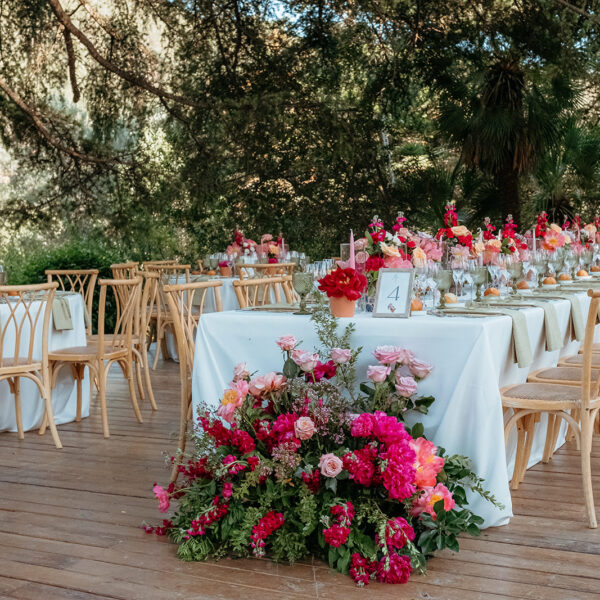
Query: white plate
point(550, 286)
point(525, 292)
point(565, 281)
point(595, 273)
point(586, 278)
point(418, 313)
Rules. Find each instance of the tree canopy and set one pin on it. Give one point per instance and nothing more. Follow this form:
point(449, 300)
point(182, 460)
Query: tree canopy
point(151, 120)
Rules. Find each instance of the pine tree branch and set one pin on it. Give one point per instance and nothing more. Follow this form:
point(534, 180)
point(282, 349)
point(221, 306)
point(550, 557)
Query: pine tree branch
point(132, 78)
point(578, 10)
point(45, 133)
point(71, 63)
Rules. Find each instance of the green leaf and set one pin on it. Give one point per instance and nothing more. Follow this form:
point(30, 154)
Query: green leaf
point(290, 369)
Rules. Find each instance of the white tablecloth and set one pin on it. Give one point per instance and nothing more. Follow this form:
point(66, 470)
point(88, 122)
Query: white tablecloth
point(472, 358)
point(64, 395)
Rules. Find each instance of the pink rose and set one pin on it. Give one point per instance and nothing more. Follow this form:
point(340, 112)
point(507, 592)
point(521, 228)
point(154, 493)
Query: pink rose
point(396, 262)
point(304, 428)
point(305, 360)
point(389, 355)
point(378, 373)
point(419, 368)
point(240, 371)
point(163, 498)
point(287, 342)
point(340, 356)
point(406, 386)
point(330, 465)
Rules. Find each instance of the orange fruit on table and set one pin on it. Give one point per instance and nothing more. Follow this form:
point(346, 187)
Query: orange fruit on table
point(522, 285)
point(549, 281)
point(582, 273)
point(564, 277)
point(450, 298)
point(416, 304)
point(491, 292)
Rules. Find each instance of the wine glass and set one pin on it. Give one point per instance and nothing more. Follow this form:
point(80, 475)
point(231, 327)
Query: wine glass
point(443, 280)
point(515, 269)
point(303, 283)
point(540, 262)
point(479, 275)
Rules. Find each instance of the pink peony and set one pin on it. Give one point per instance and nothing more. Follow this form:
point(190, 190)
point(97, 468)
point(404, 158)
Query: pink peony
point(226, 412)
point(340, 356)
point(428, 464)
point(263, 384)
point(389, 355)
point(396, 262)
point(330, 465)
point(305, 360)
point(240, 371)
point(304, 428)
point(419, 368)
point(287, 342)
point(378, 373)
point(163, 498)
point(362, 426)
point(427, 500)
point(406, 386)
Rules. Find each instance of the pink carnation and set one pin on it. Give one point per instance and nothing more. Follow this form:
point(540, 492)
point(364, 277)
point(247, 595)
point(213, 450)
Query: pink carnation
point(406, 386)
point(163, 498)
point(428, 498)
point(378, 373)
point(340, 355)
point(287, 342)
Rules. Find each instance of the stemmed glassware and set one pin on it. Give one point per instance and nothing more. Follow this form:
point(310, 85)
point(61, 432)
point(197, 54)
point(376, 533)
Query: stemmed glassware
point(443, 280)
point(303, 283)
point(540, 263)
point(515, 269)
point(479, 274)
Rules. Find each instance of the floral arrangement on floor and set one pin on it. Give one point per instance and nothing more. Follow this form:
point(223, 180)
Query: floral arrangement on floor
point(297, 462)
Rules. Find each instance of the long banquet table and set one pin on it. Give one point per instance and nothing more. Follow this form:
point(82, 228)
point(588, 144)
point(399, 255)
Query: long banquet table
point(472, 358)
point(64, 395)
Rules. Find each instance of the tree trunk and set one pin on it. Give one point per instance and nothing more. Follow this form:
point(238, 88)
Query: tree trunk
point(507, 182)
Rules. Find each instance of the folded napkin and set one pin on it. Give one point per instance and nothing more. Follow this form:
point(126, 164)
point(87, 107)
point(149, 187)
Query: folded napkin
point(61, 314)
point(551, 329)
point(576, 322)
point(281, 307)
point(523, 355)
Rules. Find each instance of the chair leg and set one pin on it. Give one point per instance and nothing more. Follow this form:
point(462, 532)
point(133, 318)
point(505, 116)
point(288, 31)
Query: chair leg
point(78, 371)
point(15, 388)
point(147, 377)
point(530, 433)
point(127, 367)
point(50, 418)
point(587, 427)
point(514, 484)
point(549, 446)
point(137, 365)
point(159, 336)
point(102, 375)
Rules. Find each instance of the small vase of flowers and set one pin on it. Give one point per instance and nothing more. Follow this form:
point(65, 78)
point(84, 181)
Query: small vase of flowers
point(225, 269)
point(343, 288)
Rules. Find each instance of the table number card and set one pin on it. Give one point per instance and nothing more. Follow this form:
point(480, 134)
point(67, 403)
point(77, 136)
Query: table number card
point(393, 294)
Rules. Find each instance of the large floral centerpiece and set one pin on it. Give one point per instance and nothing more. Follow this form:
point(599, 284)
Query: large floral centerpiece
point(457, 237)
point(271, 247)
point(241, 245)
point(297, 463)
point(343, 287)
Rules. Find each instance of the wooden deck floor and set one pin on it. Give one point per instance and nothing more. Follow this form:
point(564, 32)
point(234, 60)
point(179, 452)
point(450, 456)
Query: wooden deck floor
point(70, 527)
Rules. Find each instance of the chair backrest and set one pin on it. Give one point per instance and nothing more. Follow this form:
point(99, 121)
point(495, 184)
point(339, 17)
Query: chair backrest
point(81, 281)
point(149, 300)
point(155, 263)
point(246, 271)
point(24, 311)
point(590, 389)
point(171, 271)
point(186, 304)
point(126, 270)
point(127, 299)
point(258, 292)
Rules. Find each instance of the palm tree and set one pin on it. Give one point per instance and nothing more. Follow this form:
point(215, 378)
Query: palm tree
point(503, 125)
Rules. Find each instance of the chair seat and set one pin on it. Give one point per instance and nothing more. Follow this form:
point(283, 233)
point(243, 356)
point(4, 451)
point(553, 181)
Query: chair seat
point(542, 396)
point(82, 353)
point(595, 348)
point(577, 359)
point(108, 338)
point(560, 375)
point(10, 366)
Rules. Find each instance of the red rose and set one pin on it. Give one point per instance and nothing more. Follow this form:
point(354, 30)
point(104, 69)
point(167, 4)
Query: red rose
point(378, 236)
point(411, 244)
point(374, 263)
point(343, 282)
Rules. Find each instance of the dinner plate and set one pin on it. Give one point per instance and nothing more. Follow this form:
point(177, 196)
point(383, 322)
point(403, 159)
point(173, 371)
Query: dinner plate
point(595, 273)
point(418, 313)
point(586, 278)
point(550, 286)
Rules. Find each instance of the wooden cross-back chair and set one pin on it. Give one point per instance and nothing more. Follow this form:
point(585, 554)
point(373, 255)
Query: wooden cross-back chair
point(27, 310)
point(107, 348)
point(158, 263)
point(577, 405)
point(258, 292)
point(247, 271)
point(186, 305)
point(81, 281)
point(168, 274)
point(126, 270)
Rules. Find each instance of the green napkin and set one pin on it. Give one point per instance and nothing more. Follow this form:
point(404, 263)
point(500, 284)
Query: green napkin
point(577, 324)
point(553, 338)
point(523, 355)
point(61, 314)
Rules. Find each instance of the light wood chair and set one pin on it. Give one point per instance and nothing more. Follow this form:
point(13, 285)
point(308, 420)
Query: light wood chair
point(186, 305)
point(157, 263)
point(81, 281)
point(258, 292)
point(100, 354)
point(126, 270)
point(28, 307)
point(579, 406)
point(168, 275)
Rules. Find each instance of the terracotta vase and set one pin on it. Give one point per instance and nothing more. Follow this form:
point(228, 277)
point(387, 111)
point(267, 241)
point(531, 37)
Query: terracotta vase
point(342, 307)
point(225, 271)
